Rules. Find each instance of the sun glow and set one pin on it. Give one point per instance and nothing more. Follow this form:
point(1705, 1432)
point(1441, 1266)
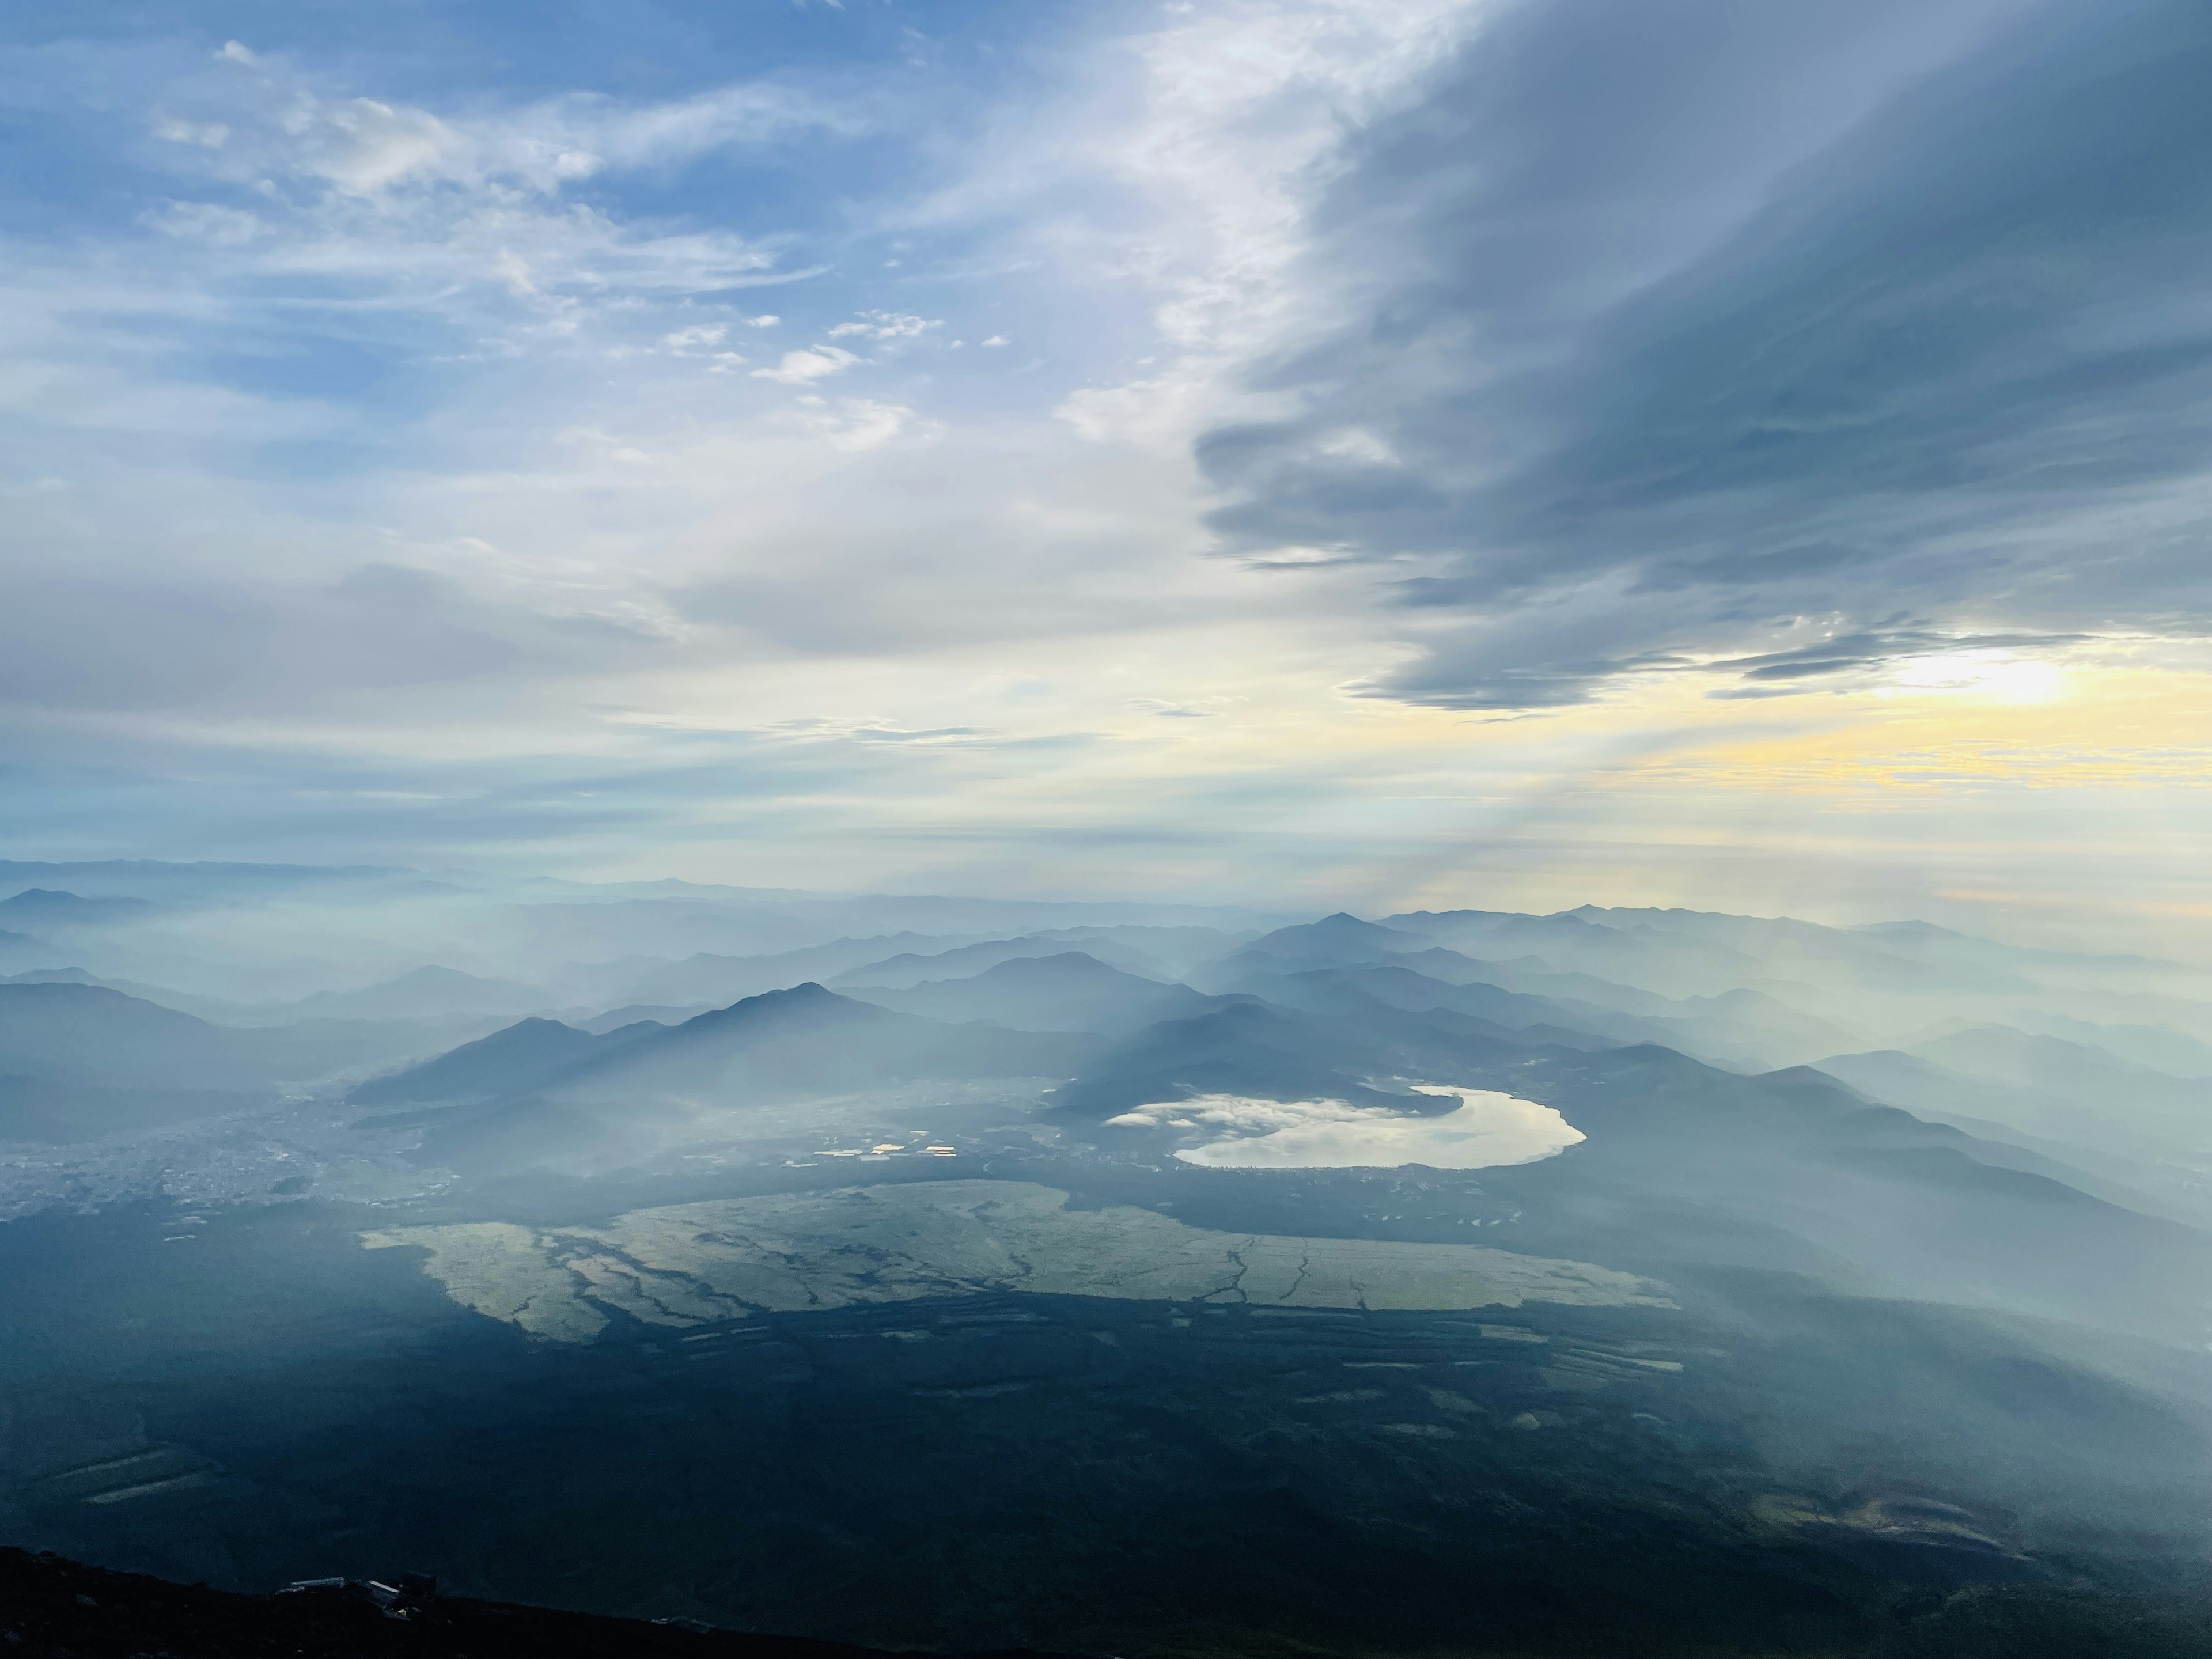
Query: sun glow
point(1994, 676)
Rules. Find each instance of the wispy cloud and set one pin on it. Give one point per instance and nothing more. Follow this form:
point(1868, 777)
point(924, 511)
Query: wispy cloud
point(375, 408)
point(886, 325)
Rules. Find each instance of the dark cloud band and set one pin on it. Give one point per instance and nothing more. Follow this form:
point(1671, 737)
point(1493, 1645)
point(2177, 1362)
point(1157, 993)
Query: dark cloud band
point(1786, 340)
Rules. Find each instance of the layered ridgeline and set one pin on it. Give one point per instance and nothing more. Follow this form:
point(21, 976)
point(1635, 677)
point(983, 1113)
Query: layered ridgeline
point(1809, 1277)
point(1788, 1167)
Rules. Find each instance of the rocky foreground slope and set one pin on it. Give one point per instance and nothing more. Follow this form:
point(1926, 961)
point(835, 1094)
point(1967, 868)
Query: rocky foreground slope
point(54, 1608)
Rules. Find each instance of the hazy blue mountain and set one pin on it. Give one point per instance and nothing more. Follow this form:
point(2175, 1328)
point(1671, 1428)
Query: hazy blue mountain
point(287, 1044)
point(2073, 1071)
point(326, 1053)
point(1948, 947)
point(78, 1062)
point(2131, 1178)
point(2158, 1048)
point(1875, 1324)
point(1753, 1010)
point(1743, 1029)
point(910, 968)
point(42, 1109)
point(778, 1043)
point(1921, 1085)
point(1334, 941)
point(2043, 1085)
point(1070, 991)
point(1255, 1049)
point(216, 1010)
point(1787, 1168)
point(1350, 995)
point(51, 910)
point(648, 927)
point(1458, 944)
point(615, 1019)
point(1643, 956)
point(1166, 952)
point(834, 914)
point(429, 993)
point(62, 1032)
point(692, 921)
point(514, 1059)
point(808, 1039)
point(1357, 992)
point(1885, 957)
point(1919, 1208)
point(89, 1034)
point(176, 883)
point(722, 980)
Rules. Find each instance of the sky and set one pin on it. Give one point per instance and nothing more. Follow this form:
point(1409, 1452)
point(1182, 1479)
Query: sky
point(1501, 453)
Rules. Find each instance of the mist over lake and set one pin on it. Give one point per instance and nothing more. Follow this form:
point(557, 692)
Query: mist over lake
point(1485, 1129)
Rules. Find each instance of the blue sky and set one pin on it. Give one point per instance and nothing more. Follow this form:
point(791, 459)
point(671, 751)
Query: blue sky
point(1531, 449)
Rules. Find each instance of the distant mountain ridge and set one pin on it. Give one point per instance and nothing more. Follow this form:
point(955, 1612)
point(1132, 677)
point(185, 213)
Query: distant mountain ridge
point(1072, 991)
point(802, 1038)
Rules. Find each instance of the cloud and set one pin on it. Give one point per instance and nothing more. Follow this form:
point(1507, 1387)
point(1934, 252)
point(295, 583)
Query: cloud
point(886, 325)
point(209, 135)
point(363, 146)
point(322, 208)
point(1459, 293)
point(72, 640)
point(1173, 176)
point(1776, 340)
point(856, 425)
point(287, 120)
point(803, 367)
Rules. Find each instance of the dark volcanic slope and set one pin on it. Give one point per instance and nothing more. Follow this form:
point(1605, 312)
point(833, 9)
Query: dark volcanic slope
point(50, 1607)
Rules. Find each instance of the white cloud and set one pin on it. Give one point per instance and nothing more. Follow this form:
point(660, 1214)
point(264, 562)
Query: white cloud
point(362, 146)
point(1157, 415)
point(856, 425)
point(656, 133)
point(803, 367)
point(887, 326)
point(1242, 103)
point(1210, 136)
point(208, 135)
point(465, 217)
point(998, 340)
point(289, 124)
